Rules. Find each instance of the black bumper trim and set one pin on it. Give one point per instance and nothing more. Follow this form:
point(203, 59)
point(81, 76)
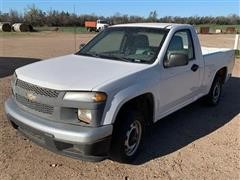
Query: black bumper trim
point(96, 151)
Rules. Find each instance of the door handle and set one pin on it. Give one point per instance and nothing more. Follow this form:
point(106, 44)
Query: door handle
point(194, 67)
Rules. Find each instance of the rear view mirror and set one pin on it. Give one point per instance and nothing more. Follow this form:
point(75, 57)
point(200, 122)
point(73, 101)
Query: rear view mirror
point(81, 45)
point(176, 59)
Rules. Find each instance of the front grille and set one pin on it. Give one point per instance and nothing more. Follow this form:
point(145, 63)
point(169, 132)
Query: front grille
point(36, 89)
point(43, 108)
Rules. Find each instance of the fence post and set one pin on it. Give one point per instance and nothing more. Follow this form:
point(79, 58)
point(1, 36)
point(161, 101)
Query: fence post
point(236, 44)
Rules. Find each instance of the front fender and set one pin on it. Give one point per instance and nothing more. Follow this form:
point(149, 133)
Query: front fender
point(120, 98)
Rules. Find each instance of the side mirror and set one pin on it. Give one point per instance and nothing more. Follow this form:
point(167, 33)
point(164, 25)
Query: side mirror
point(81, 45)
point(176, 59)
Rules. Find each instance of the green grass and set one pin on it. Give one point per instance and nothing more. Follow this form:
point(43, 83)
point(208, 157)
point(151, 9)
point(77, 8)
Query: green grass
point(6, 34)
point(213, 27)
point(64, 29)
point(73, 29)
point(45, 29)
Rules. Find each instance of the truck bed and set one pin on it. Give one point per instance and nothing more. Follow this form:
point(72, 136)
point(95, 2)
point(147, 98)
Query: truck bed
point(210, 50)
point(215, 59)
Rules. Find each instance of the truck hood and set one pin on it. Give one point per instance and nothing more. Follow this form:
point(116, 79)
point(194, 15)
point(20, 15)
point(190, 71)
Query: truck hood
point(75, 72)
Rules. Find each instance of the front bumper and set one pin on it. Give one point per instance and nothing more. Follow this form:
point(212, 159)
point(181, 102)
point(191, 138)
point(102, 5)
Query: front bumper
point(86, 143)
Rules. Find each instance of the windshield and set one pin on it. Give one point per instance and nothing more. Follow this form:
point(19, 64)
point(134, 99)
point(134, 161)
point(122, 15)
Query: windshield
point(131, 44)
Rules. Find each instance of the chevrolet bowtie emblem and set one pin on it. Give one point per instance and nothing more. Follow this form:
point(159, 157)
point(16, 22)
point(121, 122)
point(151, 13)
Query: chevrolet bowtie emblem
point(31, 96)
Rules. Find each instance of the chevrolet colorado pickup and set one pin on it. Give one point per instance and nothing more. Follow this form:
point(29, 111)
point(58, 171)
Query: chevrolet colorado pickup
point(98, 102)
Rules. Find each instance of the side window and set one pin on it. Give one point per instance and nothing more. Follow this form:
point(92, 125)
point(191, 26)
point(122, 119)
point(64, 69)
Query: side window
point(181, 43)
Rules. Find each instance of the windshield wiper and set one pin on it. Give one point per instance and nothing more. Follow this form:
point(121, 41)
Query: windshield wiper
point(121, 58)
point(140, 60)
point(127, 59)
point(100, 55)
point(115, 57)
point(89, 54)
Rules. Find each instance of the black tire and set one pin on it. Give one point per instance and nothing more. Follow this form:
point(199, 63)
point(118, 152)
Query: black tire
point(215, 92)
point(125, 134)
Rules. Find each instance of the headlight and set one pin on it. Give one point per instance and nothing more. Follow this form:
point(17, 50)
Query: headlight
point(85, 115)
point(85, 96)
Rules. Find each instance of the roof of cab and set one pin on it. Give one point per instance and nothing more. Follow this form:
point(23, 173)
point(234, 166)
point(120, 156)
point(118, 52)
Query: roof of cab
point(153, 25)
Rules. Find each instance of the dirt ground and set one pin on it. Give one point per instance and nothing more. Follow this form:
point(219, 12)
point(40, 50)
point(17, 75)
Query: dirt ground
point(196, 142)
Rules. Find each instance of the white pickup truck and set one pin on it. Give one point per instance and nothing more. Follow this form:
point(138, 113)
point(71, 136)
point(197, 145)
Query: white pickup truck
point(97, 103)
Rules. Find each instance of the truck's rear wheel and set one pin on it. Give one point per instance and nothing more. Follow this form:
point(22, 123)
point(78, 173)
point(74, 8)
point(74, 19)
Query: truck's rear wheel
point(127, 136)
point(214, 95)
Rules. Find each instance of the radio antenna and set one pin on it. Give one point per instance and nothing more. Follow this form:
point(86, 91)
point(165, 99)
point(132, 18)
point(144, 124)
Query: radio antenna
point(75, 30)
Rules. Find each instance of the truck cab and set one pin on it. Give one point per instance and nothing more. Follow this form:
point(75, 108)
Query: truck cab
point(101, 24)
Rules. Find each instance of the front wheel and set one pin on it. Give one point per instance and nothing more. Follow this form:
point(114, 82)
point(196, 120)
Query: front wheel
point(127, 137)
point(214, 95)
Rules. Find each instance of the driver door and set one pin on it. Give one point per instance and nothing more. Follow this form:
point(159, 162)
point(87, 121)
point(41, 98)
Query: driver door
point(179, 84)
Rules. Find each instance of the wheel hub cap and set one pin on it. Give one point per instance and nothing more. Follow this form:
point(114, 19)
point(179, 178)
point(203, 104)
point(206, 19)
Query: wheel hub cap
point(133, 137)
point(216, 92)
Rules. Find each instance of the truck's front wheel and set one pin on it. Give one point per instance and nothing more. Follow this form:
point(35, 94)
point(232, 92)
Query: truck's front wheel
point(127, 136)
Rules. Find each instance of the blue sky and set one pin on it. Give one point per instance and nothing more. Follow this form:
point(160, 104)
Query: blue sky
point(133, 7)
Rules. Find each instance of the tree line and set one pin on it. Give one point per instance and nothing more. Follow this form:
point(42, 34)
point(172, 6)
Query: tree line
point(37, 17)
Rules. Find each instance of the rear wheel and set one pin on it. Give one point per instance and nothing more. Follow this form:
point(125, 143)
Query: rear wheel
point(127, 136)
point(214, 95)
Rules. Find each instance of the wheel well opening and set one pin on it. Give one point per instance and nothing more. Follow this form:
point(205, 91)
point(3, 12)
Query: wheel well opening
point(143, 103)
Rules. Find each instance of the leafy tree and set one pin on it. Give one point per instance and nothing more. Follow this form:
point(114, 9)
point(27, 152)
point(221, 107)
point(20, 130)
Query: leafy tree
point(37, 17)
point(34, 16)
point(152, 16)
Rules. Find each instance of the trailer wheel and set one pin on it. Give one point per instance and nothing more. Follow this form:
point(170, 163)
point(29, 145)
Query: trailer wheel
point(127, 137)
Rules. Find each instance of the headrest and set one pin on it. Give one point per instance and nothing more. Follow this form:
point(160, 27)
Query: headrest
point(176, 43)
point(141, 41)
